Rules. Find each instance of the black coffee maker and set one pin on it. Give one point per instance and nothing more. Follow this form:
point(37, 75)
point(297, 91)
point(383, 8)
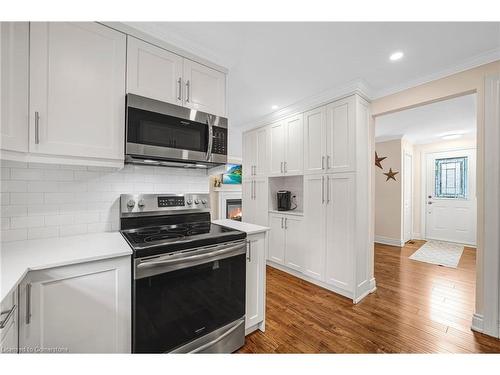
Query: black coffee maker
point(284, 200)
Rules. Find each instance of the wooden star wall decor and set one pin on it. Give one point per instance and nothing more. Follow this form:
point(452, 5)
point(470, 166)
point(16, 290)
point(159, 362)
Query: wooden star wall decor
point(378, 160)
point(391, 174)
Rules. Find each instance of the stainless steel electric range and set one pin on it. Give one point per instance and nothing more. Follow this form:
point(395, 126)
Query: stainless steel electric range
point(189, 275)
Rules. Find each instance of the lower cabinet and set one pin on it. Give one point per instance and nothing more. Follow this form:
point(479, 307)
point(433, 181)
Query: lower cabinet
point(81, 308)
point(255, 201)
point(9, 324)
point(256, 282)
point(286, 240)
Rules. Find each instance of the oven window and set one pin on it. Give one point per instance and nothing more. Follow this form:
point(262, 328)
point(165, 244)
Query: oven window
point(156, 129)
point(174, 308)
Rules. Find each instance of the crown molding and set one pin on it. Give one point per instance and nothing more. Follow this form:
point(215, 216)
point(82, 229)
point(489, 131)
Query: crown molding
point(358, 86)
point(470, 63)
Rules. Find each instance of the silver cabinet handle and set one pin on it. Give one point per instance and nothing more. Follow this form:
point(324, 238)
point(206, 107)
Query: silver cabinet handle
point(10, 314)
point(249, 258)
point(281, 167)
point(322, 162)
point(281, 223)
point(179, 83)
point(322, 189)
point(286, 223)
point(327, 189)
point(284, 166)
point(188, 93)
point(254, 190)
point(37, 128)
point(28, 303)
point(255, 170)
point(327, 161)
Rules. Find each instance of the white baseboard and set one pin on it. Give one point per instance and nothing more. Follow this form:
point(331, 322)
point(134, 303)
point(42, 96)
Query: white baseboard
point(417, 236)
point(389, 241)
point(477, 323)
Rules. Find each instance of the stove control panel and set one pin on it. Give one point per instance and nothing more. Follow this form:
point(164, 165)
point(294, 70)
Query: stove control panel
point(141, 204)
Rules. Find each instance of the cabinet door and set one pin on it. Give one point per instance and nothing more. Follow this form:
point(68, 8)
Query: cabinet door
point(247, 203)
point(205, 88)
point(153, 72)
point(262, 152)
point(314, 217)
point(341, 132)
point(83, 308)
point(249, 153)
point(255, 280)
point(9, 333)
point(77, 90)
point(277, 148)
point(277, 238)
point(315, 140)
point(294, 242)
point(14, 59)
point(261, 201)
point(340, 231)
point(294, 145)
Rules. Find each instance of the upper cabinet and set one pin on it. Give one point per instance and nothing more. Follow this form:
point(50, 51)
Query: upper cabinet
point(256, 153)
point(159, 74)
point(315, 140)
point(153, 72)
point(14, 60)
point(286, 146)
point(205, 88)
point(77, 90)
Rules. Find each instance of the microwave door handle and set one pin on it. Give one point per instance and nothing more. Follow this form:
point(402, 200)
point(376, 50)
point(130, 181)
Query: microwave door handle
point(210, 139)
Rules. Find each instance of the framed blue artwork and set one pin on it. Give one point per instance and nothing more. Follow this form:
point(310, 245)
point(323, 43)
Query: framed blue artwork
point(232, 175)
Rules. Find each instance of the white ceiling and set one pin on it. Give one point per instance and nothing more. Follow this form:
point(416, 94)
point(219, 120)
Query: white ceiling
point(428, 123)
point(283, 63)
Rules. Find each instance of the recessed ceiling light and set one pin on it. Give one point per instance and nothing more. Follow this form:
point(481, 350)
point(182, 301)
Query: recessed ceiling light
point(448, 137)
point(274, 107)
point(396, 56)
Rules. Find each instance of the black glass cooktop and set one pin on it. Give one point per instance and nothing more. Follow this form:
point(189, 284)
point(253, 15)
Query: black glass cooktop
point(169, 238)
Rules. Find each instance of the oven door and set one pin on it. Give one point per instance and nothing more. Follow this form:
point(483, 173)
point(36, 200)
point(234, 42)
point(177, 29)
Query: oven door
point(181, 298)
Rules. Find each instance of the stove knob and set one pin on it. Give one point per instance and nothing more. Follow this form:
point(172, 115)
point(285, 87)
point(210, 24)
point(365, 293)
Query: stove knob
point(189, 201)
point(204, 201)
point(141, 203)
point(196, 201)
point(131, 203)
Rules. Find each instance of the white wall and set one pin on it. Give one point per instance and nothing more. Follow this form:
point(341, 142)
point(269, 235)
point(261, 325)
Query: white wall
point(388, 194)
point(418, 168)
point(40, 200)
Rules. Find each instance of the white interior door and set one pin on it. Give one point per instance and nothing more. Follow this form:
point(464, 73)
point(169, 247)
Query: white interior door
point(407, 196)
point(450, 198)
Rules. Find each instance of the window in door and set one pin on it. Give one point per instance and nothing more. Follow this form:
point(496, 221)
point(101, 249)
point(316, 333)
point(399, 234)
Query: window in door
point(451, 178)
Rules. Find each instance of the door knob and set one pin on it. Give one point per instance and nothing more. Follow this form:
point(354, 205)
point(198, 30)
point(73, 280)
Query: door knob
point(429, 202)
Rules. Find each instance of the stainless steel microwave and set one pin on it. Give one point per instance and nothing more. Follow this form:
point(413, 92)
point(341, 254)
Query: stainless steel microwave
point(166, 134)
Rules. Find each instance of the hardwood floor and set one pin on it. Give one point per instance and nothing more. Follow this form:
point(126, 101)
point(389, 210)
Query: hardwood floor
point(417, 308)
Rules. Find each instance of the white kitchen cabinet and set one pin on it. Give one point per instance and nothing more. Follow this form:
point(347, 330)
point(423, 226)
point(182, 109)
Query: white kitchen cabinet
point(81, 308)
point(315, 141)
point(154, 72)
point(255, 201)
point(204, 88)
point(77, 90)
point(315, 227)
point(286, 240)
point(9, 323)
point(255, 281)
point(341, 135)
point(256, 153)
point(276, 251)
point(340, 231)
point(14, 61)
point(287, 147)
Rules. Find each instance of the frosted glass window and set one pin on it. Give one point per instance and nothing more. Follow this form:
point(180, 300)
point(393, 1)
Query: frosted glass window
point(451, 178)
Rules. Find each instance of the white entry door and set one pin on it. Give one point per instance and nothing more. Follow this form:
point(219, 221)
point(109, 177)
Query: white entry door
point(450, 198)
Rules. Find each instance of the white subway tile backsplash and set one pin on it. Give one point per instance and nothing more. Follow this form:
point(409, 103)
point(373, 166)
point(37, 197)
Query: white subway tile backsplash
point(27, 222)
point(14, 235)
point(49, 200)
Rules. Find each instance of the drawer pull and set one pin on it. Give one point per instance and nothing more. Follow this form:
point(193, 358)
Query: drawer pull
point(10, 314)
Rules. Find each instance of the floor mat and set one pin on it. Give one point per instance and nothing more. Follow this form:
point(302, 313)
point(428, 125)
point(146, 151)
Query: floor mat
point(439, 252)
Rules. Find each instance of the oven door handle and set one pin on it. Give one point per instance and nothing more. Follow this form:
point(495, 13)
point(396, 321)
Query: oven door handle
point(174, 262)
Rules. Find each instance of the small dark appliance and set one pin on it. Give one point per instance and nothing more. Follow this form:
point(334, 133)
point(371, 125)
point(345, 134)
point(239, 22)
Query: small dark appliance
point(284, 200)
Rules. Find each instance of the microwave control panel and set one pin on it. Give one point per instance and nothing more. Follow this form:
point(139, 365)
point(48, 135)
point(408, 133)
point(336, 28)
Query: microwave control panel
point(219, 144)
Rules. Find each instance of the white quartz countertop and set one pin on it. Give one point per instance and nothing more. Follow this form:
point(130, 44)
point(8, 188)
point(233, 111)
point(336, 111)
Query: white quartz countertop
point(244, 227)
point(19, 257)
